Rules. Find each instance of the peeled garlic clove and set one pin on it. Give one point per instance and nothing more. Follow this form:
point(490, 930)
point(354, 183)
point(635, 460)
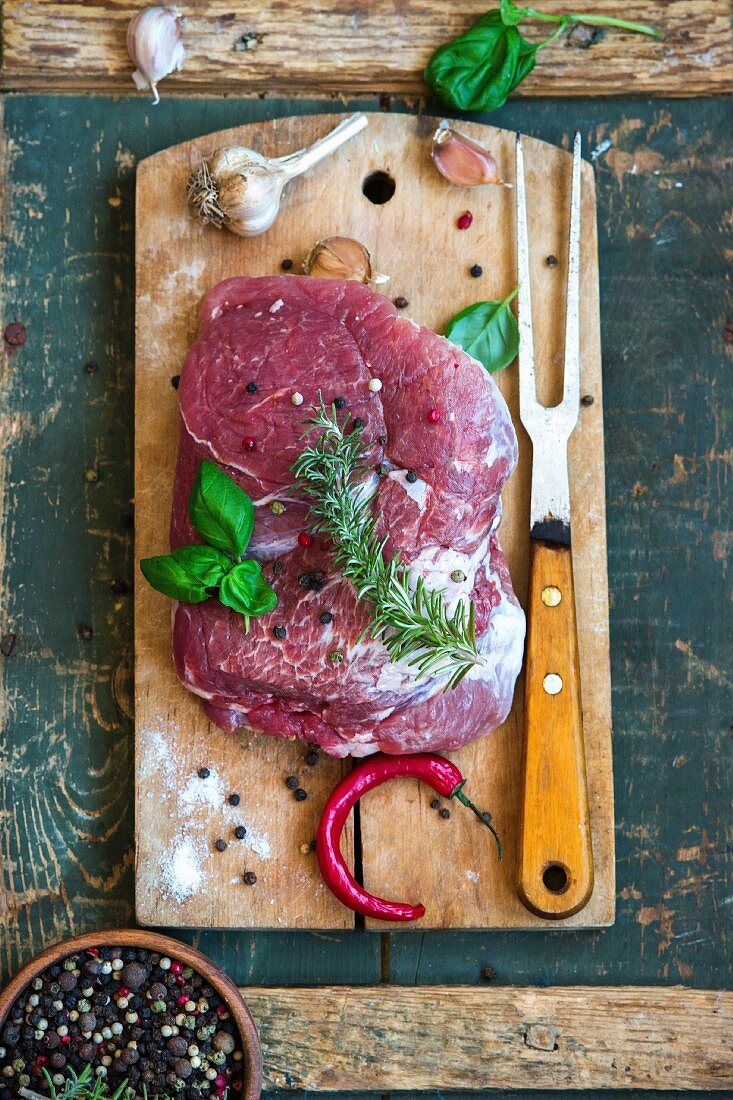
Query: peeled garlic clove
point(155, 46)
point(339, 258)
point(461, 160)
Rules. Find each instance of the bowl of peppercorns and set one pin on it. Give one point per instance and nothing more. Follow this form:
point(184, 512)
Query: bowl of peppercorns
point(129, 1015)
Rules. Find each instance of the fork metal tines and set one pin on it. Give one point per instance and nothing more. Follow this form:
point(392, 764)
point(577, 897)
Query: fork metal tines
point(549, 428)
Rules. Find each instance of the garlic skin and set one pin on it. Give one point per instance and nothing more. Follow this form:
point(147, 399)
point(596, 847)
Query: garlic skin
point(461, 160)
point(339, 258)
point(240, 189)
point(155, 46)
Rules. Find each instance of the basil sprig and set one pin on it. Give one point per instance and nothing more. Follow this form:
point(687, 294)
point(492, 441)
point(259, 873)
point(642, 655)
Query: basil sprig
point(488, 331)
point(478, 70)
point(223, 514)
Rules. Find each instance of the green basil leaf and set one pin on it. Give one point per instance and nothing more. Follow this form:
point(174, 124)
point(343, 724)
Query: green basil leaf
point(488, 331)
point(169, 577)
point(203, 563)
point(245, 590)
point(221, 512)
point(479, 69)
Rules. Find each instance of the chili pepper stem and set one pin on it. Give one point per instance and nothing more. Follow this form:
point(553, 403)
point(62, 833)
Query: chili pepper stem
point(466, 801)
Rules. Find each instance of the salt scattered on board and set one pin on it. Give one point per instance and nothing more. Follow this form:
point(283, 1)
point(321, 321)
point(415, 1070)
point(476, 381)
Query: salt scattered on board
point(181, 870)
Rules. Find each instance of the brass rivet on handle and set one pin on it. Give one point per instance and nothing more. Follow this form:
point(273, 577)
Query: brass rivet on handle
point(552, 683)
point(551, 596)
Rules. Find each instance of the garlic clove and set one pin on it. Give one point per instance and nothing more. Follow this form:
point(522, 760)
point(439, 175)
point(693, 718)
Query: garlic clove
point(339, 258)
point(241, 189)
point(461, 160)
point(155, 46)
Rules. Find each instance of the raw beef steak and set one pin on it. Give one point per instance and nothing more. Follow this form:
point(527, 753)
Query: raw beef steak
point(260, 340)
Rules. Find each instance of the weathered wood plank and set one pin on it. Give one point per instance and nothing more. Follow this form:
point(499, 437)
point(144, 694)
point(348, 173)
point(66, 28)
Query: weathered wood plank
point(458, 1037)
point(68, 217)
point(356, 47)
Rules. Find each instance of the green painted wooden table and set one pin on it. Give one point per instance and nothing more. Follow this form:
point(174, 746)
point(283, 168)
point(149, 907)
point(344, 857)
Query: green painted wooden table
point(66, 477)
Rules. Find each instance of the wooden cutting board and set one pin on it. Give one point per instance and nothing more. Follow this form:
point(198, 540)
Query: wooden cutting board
point(408, 852)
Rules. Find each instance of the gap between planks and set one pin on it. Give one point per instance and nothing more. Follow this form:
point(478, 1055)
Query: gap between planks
point(380, 1039)
point(347, 49)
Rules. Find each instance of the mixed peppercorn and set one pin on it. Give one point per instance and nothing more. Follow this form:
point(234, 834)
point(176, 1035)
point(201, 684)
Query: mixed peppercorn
point(131, 1015)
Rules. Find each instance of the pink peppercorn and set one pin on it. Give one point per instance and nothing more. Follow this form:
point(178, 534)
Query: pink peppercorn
point(180, 979)
point(305, 539)
point(249, 445)
point(465, 220)
point(41, 1060)
point(182, 1001)
point(434, 416)
point(176, 968)
point(66, 1039)
point(123, 991)
point(220, 1081)
point(221, 1010)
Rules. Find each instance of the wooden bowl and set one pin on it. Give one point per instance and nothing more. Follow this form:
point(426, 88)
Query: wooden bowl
point(135, 937)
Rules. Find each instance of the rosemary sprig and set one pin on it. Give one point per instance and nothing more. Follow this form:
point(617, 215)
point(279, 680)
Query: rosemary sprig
point(87, 1086)
point(411, 621)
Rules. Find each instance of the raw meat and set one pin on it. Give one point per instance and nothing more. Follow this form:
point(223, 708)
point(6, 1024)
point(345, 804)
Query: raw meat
point(288, 333)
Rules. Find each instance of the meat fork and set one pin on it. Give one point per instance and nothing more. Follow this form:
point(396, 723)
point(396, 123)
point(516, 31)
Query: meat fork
point(555, 853)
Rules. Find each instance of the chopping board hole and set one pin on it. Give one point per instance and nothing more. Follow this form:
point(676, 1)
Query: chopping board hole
point(379, 187)
point(555, 878)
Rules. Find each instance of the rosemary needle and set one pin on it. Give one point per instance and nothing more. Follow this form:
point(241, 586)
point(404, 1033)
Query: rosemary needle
point(411, 620)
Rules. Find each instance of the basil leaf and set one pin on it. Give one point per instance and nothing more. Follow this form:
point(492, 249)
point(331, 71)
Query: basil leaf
point(245, 589)
point(221, 512)
point(488, 331)
point(479, 69)
point(170, 578)
point(203, 563)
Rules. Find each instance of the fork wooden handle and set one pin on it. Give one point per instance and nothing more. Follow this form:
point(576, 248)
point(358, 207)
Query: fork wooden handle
point(555, 854)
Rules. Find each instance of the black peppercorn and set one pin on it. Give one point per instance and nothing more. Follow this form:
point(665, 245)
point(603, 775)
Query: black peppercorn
point(287, 265)
point(175, 381)
point(250, 878)
point(401, 303)
point(234, 799)
point(383, 440)
point(220, 845)
point(300, 795)
point(251, 387)
point(411, 476)
point(311, 758)
point(277, 567)
point(551, 261)
point(358, 424)
point(445, 813)
point(325, 617)
point(476, 271)
point(488, 973)
point(291, 782)
point(305, 580)
point(382, 469)
point(240, 832)
point(435, 804)
point(339, 402)
point(587, 400)
point(203, 773)
point(280, 632)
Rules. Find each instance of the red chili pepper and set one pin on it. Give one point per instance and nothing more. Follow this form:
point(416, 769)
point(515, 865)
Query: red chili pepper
point(436, 771)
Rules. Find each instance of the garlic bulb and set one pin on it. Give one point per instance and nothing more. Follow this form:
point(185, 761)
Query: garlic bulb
point(339, 258)
point(155, 46)
point(241, 189)
point(461, 160)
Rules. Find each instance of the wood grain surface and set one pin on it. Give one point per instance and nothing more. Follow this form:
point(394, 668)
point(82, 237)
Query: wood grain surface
point(408, 851)
point(66, 744)
point(356, 47)
point(554, 829)
point(458, 1037)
